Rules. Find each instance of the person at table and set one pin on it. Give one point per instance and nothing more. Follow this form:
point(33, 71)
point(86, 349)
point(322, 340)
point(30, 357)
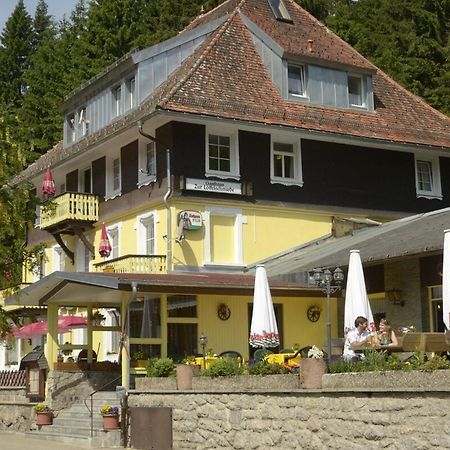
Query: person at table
point(386, 335)
point(357, 338)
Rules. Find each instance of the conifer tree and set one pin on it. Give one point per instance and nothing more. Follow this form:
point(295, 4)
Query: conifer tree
point(16, 45)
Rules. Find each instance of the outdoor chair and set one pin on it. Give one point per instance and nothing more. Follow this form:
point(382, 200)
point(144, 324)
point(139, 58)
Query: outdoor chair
point(82, 356)
point(260, 353)
point(232, 354)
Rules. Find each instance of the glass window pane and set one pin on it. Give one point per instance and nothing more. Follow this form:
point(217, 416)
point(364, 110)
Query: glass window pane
point(282, 147)
point(213, 151)
point(213, 139)
point(296, 85)
point(181, 340)
point(424, 175)
point(278, 165)
point(214, 164)
point(224, 141)
point(145, 318)
point(225, 165)
point(148, 350)
point(182, 306)
point(289, 166)
point(355, 90)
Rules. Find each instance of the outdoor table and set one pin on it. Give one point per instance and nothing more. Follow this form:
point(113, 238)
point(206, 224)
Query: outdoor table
point(209, 359)
point(283, 358)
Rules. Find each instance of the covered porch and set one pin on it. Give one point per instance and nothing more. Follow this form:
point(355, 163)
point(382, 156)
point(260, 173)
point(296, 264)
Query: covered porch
point(170, 310)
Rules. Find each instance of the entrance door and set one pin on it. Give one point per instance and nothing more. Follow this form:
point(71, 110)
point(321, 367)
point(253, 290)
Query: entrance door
point(278, 308)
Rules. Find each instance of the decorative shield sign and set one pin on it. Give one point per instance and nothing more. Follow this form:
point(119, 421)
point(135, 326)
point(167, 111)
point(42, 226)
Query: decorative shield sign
point(192, 220)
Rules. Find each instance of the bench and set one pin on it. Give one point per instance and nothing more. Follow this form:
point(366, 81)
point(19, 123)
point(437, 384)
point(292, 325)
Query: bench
point(426, 342)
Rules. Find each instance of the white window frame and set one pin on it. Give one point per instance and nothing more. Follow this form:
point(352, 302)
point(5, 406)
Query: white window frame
point(295, 141)
point(113, 231)
point(71, 129)
point(110, 191)
point(116, 100)
point(234, 153)
point(363, 104)
point(436, 190)
point(83, 256)
point(239, 220)
point(145, 176)
point(58, 259)
point(303, 70)
point(130, 86)
point(83, 123)
point(141, 227)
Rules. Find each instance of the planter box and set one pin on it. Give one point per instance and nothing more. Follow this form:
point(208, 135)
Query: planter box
point(234, 384)
point(241, 383)
point(414, 379)
point(155, 383)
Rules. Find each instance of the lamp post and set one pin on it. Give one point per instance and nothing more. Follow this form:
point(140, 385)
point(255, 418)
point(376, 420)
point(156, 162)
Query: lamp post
point(329, 283)
point(203, 342)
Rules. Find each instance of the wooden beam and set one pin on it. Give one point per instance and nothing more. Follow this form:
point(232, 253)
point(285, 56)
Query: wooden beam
point(87, 244)
point(66, 250)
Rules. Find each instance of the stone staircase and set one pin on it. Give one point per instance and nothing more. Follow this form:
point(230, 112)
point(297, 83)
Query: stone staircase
point(73, 424)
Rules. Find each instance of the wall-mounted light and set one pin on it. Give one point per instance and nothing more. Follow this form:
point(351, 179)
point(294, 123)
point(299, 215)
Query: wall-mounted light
point(395, 297)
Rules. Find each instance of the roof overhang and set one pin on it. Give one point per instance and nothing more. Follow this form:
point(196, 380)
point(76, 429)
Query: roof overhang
point(67, 288)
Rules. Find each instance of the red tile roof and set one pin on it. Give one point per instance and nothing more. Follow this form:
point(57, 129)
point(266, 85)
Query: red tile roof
point(226, 77)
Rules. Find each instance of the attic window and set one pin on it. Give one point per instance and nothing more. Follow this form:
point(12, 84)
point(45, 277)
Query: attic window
point(280, 11)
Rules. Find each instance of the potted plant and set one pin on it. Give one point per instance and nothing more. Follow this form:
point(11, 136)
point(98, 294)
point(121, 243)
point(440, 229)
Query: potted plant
point(138, 359)
point(312, 368)
point(97, 318)
point(44, 415)
point(110, 416)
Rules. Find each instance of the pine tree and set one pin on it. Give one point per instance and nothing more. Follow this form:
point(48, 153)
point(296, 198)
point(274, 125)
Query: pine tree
point(42, 21)
point(16, 46)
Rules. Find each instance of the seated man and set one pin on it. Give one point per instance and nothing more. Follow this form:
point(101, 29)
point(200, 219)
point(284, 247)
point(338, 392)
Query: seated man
point(357, 338)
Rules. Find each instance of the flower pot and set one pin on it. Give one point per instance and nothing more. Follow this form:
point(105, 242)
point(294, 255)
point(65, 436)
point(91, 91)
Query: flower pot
point(311, 371)
point(184, 376)
point(111, 422)
point(44, 418)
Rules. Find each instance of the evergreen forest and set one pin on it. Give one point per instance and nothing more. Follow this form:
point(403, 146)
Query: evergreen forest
point(42, 60)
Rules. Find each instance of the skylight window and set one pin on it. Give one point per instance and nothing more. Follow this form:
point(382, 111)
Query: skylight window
point(280, 11)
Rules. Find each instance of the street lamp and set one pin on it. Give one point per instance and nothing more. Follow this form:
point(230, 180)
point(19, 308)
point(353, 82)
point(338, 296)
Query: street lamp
point(329, 283)
point(203, 342)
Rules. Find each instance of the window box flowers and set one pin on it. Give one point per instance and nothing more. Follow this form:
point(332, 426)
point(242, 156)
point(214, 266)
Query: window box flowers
point(110, 416)
point(44, 415)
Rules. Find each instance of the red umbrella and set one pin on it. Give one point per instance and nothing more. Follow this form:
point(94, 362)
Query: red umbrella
point(30, 330)
point(48, 186)
point(65, 323)
point(105, 247)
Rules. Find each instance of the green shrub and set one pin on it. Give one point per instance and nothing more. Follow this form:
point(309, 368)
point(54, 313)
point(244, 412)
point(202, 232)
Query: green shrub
point(225, 367)
point(436, 362)
point(263, 367)
point(160, 367)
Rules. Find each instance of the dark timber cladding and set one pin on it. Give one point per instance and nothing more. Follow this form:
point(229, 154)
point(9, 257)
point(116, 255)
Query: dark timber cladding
point(333, 174)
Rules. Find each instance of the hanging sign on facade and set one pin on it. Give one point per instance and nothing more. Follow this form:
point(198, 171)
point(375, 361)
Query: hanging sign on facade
point(221, 187)
point(190, 220)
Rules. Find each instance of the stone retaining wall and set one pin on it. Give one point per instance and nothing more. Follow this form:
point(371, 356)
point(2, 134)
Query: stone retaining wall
point(366, 418)
point(65, 388)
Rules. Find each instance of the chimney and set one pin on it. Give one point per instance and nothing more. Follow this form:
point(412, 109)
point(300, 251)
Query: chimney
point(310, 45)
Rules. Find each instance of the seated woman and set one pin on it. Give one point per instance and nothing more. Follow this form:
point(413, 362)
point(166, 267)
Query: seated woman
point(386, 335)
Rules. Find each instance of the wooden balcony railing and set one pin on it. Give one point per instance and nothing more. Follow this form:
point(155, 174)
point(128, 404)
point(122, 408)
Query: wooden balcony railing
point(134, 264)
point(69, 206)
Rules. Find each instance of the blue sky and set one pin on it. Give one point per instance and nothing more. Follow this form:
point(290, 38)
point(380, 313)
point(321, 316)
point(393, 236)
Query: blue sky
point(56, 8)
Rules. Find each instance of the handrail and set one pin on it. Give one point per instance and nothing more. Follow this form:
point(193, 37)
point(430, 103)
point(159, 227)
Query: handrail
point(91, 395)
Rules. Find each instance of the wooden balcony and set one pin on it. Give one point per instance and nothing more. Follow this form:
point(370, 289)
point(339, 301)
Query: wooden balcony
point(134, 264)
point(65, 209)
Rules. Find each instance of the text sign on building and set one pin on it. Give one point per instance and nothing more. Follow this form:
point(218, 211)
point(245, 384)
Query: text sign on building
point(190, 220)
point(221, 187)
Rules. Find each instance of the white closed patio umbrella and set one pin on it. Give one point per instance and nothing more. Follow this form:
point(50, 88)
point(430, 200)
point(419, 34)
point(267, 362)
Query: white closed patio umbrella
point(356, 300)
point(446, 281)
point(263, 329)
